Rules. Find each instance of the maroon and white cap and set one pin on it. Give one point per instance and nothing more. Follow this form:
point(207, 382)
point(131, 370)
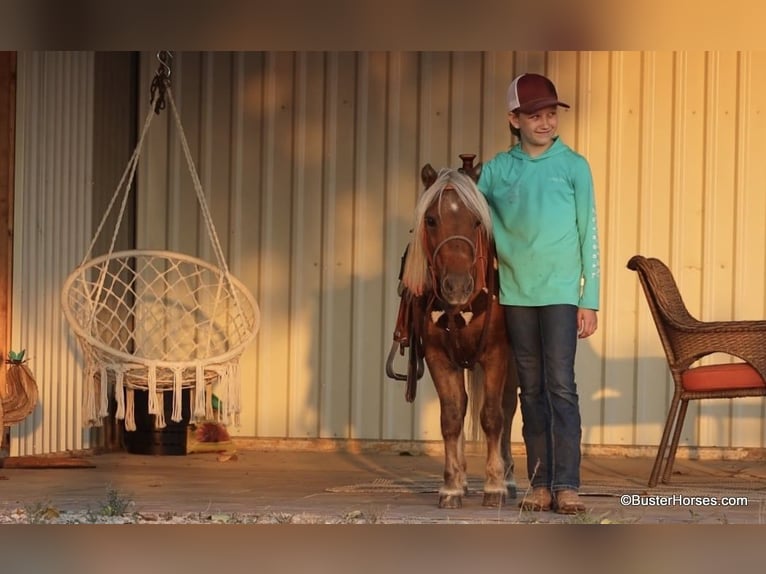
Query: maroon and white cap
point(531, 92)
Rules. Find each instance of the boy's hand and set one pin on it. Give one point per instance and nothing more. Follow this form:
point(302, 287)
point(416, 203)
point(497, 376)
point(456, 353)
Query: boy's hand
point(587, 323)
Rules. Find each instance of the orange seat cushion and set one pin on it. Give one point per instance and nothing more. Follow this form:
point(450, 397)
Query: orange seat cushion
point(722, 378)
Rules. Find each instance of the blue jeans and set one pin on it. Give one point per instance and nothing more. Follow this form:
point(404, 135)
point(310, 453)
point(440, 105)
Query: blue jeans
point(544, 341)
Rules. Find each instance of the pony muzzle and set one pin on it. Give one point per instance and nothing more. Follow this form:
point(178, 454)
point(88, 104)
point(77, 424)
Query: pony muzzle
point(457, 288)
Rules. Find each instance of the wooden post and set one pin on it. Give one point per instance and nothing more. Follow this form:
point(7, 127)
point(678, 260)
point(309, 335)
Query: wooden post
point(7, 158)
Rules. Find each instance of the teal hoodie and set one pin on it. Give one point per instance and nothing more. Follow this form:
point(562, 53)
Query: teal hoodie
point(544, 223)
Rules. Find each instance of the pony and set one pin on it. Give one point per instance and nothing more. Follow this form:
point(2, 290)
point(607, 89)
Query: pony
point(450, 279)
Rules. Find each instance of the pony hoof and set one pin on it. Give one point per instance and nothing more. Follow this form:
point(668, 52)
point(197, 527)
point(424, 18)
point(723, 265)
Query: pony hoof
point(450, 501)
point(512, 492)
point(493, 499)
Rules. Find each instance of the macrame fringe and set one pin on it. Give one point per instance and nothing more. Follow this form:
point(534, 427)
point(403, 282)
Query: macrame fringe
point(200, 409)
point(228, 393)
point(130, 410)
point(209, 402)
point(159, 418)
point(153, 406)
point(177, 414)
point(234, 389)
point(103, 394)
point(119, 393)
point(89, 396)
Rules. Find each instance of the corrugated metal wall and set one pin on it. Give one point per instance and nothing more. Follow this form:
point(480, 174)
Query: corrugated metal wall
point(74, 132)
point(311, 162)
point(52, 219)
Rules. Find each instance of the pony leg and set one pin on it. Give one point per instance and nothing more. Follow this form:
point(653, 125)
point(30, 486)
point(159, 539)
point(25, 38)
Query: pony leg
point(499, 469)
point(495, 489)
point(510, 400)
point(453, 400)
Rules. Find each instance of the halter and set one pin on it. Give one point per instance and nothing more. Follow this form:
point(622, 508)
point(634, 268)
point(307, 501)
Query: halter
point(484, 283)
point(476, 274)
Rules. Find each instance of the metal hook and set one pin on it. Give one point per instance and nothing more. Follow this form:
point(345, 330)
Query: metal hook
point(161, 80)
point(164, 57)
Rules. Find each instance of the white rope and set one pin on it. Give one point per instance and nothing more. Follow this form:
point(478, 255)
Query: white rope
point(199, 388)
point(88, 315)
point(152, 406)
point(159, 418)
point(119, 392)
point(177, 414)
point(208, 218)
point(104, 392)
point(130, 410)
point(89, 394)
point(129, 173)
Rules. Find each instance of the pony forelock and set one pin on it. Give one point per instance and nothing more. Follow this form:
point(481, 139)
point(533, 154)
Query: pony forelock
point(415, 276)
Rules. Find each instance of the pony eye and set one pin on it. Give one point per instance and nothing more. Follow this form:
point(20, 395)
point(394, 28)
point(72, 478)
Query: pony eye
point(476, 224)
point(430, 221)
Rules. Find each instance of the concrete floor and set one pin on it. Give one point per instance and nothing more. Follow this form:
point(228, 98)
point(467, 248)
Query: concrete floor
point(379, 487)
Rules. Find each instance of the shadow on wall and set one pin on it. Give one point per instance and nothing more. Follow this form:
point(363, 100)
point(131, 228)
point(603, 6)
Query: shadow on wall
point(631, 406)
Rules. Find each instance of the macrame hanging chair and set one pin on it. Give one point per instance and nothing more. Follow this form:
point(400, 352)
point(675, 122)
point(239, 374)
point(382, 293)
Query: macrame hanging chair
point(157, 320)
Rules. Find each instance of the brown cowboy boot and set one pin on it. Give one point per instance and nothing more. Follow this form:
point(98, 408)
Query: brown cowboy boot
point(538, 500)
point(568, 502)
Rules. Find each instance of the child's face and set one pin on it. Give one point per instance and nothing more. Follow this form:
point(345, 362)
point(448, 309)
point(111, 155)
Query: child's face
point(537, 129)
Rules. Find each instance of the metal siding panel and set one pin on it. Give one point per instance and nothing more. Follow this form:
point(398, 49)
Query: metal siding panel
point(593, 120)
point(434, 125)
point(55, 118)
point(465, 106)
point(688, 188)
point(192, 87)
point(273, 341)
point(533, 62)
point(497, 75)
point(653, 381)
point(338, 213)
point(152, 182)
point(216, 149)
point(434, 128)
point(329, 141)
point(750, 248)
point(369, 224)
point(621, 229)
point(718, 220)
point(307, 258)
point(249, 188)
point(403, 186)
point(563, 70)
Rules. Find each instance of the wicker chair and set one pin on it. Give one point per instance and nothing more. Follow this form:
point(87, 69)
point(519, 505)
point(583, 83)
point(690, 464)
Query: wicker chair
point(685, 340)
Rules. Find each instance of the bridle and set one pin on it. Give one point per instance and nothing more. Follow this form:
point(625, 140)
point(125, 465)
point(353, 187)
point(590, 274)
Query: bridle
point(478, 262)
point(479, 303)
point(416, 310)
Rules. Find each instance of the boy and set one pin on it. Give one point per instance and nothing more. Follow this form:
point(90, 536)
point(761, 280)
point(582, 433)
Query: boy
point(540, 193)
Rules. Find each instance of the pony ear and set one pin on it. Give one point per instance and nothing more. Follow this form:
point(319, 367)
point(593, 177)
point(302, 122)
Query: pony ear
point(428, 175)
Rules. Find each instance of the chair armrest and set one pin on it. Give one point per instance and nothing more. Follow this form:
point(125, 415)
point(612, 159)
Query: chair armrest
point(747, 326)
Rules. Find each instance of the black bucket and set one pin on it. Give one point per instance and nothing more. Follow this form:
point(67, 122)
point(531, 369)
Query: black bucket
point(147, 439)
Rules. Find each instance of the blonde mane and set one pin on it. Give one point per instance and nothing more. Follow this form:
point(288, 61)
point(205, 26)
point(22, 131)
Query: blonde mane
point(416, 276)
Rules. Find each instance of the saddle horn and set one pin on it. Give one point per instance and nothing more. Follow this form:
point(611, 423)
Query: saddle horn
point(472, 171)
